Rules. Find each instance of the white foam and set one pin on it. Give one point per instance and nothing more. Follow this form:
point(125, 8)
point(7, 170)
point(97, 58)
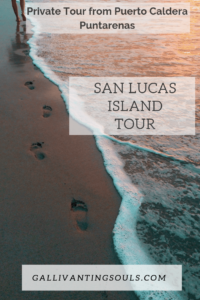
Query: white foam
point(127, 244)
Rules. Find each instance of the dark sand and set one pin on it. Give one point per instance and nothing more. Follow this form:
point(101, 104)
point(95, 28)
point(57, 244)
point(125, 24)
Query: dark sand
point(38, 182)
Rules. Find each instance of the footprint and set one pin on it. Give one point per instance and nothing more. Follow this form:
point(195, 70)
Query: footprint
point(26, 52)
point(79, 210)
point(30, 85)
point(22, 52)
point(36, 149)
point(47, 111)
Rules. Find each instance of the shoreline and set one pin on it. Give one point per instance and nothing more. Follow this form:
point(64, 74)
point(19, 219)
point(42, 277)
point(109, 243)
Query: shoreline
point(43, 171)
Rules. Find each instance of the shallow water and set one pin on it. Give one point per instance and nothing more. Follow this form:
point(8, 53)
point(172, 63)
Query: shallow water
point(158, 177)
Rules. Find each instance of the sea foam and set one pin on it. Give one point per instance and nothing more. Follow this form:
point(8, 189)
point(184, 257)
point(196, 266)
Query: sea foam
point(127, 244)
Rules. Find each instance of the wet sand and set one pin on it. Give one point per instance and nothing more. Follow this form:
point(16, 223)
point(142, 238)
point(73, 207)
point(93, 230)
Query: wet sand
point(42, 170)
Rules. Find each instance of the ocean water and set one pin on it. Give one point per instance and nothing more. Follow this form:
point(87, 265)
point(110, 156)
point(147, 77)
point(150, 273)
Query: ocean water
point(158, 177)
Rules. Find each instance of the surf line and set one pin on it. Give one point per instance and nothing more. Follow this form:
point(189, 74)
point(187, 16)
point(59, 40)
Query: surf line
point(149, 150)
point(49, 74)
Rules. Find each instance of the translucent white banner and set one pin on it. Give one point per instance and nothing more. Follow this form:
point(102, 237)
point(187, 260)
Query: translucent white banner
point(101, 277)
point(132, 106)
point(105, 17)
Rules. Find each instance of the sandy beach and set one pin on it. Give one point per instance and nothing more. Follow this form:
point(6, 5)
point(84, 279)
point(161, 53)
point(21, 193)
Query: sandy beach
point(44, 171)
